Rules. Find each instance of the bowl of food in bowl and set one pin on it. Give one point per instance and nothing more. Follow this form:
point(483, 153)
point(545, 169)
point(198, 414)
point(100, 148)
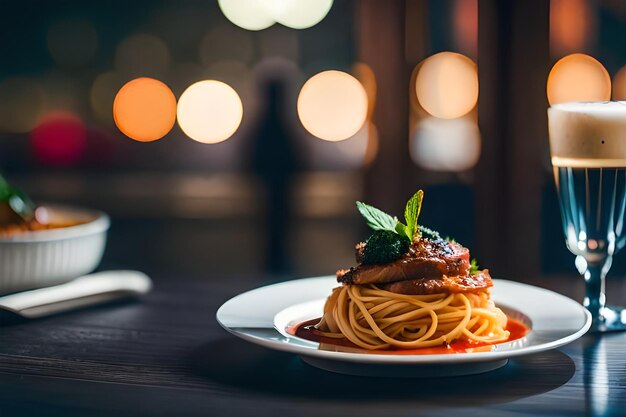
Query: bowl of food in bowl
point(43, 245)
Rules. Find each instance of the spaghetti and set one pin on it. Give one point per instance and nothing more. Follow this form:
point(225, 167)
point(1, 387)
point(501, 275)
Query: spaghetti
point(411, 289)
point(374, 319)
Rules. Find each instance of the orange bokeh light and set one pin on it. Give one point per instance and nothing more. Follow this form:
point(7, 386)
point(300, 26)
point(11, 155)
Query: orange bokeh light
point(145, 109)
point(578, 77)
point(332, 105)
point(447, 85)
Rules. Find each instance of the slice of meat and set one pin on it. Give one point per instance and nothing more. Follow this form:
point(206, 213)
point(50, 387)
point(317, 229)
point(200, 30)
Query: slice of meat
point(425, 259)
point(445, 284)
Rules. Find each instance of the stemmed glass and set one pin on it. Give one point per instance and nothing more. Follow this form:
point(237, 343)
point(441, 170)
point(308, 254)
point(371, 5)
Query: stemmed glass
point(588, 150)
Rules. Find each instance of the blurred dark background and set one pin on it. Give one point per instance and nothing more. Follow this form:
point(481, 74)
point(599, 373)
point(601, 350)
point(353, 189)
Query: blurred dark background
point(273, 199)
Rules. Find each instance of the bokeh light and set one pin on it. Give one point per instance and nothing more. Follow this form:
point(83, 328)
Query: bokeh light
point(209, 111)
point(578, 77)
point(446, 145)
point(102, 94)
point(59, 139)
point(332, 105)
point(247, 14)
point(300, 14)
point(619, 84)
point(72, 42)
point(142, 55)
point(261, 14)
point(447, 85)
point(145, 109)
point(21, 104)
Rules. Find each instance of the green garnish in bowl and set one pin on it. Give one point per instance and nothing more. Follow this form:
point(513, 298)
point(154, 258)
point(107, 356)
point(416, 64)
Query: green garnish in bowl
point(15, 206)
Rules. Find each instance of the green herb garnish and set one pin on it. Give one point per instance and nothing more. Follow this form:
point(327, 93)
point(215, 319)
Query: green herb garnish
point(411, 213)
point(16, 200)
point(391, 237)
point(474, 267)
point(379, 220)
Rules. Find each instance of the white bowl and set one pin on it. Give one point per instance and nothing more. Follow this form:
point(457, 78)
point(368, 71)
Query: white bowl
point(47, 257)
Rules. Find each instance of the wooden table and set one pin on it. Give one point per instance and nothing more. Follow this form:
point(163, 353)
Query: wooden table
point(166, 355)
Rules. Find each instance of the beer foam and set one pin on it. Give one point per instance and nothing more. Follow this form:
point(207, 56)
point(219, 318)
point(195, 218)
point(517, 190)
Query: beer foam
point(588, 135)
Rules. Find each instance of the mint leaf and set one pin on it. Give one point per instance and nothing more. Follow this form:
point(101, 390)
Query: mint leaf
point(412, 212)
point(401, 229)
point(377, 219)
point(474, 268)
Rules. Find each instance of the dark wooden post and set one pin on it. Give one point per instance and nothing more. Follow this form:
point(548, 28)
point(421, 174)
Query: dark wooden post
point(382, 43)
point(513, 64)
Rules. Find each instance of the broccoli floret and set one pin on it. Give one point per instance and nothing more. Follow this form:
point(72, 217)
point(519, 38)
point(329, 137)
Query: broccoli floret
point(384, 246)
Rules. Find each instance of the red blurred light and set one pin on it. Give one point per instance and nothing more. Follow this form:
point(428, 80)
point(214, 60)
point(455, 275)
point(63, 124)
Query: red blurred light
point(59, 139)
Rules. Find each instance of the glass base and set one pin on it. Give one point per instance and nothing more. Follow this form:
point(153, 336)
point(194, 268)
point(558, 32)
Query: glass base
point(613, 319)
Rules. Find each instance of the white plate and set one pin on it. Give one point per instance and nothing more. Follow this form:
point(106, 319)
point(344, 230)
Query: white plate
point(262, 315)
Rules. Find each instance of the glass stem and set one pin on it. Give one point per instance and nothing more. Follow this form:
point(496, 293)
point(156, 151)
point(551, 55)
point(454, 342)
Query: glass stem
point(595, 298)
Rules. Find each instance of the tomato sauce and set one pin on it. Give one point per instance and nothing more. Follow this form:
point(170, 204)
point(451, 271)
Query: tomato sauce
point(306, 330)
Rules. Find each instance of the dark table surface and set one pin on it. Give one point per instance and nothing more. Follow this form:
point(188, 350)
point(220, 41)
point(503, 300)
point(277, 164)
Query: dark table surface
point(166, 355)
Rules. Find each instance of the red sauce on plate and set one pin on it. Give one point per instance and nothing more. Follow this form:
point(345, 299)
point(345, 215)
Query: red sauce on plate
point(306, 330)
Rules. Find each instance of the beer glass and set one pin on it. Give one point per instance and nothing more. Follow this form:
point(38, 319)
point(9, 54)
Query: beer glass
point(588, 151)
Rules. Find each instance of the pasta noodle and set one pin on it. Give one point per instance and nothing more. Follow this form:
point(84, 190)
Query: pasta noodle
point(372, 318)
